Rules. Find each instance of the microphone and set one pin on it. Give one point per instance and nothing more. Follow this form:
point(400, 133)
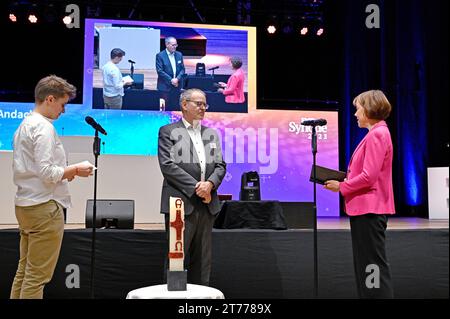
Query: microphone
point(214, 68)
point(131, 61)
point(315, 122)
point(95, 125)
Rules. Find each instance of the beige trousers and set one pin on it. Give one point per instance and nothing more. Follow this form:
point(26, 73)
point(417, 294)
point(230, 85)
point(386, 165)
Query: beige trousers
point(41, 232)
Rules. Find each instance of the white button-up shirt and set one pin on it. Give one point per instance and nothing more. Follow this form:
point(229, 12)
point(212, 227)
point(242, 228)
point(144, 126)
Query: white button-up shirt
point(38, 163)
point(172, 62)
point(196, 137)
point(112, 80)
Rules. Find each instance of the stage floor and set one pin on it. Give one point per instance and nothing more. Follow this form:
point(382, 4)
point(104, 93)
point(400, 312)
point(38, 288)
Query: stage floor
point(246, 263)
point(322, 223)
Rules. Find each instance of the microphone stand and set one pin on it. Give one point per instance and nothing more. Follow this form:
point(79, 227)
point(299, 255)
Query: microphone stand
point(132, 70)
point(96, 149)
point(314, 152)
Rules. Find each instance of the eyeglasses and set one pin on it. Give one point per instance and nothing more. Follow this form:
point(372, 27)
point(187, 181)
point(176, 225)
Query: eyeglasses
point(199, 104)
point(173, 44)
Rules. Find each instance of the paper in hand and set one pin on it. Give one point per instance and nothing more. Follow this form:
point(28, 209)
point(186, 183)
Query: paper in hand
point(127, 78)
point(89, 164)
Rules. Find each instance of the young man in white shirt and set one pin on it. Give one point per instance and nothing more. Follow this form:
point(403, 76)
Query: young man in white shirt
point(41, 175)
point(113, 82)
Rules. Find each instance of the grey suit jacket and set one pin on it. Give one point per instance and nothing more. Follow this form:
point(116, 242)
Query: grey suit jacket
point(180, 167)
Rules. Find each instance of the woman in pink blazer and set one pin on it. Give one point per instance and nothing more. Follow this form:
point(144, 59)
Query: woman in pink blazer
point(369, 196)
point(234, 88)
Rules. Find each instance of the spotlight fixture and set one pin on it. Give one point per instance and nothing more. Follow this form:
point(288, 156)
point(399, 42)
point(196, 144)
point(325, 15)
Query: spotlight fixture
point(271, 29)
point(67, 20)
point(271, 24)
point(33, 13)
point(12, 17)
point(32, 18)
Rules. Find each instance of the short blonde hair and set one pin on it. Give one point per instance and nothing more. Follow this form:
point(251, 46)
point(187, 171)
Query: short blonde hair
point(53, 85)
point(375, 104)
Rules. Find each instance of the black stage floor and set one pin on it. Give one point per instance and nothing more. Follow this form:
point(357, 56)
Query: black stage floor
point(246, 263)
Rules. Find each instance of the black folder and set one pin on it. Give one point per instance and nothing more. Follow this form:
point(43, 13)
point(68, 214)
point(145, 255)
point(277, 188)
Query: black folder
point(324, 174)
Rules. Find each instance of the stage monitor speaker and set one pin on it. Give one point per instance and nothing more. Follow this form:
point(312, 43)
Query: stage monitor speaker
point(250, 187)
point(200, 69)
point(111, 213)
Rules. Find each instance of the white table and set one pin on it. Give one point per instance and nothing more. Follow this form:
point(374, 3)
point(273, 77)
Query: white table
point(161, 292)
point(438, 193)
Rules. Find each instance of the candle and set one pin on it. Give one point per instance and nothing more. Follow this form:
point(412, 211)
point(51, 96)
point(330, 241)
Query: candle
point(176, 235)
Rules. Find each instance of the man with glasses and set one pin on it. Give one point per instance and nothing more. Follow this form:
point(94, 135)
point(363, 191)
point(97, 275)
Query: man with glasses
point(170, 69)
point(190, 158)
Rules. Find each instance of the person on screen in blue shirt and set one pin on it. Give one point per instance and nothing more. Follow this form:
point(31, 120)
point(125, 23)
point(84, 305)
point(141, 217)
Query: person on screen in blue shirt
point(112, 81)
point(170, 69)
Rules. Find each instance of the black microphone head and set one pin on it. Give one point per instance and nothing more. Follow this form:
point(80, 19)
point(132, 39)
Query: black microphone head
point(321, 122)
point(95, 125)
point(131, 61)
point(90, 120)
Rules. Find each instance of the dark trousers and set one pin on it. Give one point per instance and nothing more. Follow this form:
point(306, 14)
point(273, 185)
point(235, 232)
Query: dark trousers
point(369, 256)
point(197, 245)
point(172, 99)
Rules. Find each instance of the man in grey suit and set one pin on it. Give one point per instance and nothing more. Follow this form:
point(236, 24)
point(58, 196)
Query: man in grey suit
point(191, 161)
point(170, 69)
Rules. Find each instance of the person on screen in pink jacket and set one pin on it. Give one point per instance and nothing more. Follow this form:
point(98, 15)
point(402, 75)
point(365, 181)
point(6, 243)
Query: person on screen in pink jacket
point(368, 196)
point(234, 88)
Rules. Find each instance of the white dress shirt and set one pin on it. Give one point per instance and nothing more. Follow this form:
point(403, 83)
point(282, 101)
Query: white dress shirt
point(112, 80)
point(172, 62)
point(196, 137)
point(38, 163)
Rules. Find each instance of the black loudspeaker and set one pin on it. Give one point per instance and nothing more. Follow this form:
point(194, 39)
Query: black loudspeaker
point(250, 187)
point(111, 213)
point(200, 69)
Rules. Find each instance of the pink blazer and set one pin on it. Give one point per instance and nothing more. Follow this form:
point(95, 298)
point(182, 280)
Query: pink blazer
point(234, 93)
point(368, 188)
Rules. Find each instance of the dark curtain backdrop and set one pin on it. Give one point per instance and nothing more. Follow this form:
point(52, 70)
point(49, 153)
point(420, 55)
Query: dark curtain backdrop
point(407, 58)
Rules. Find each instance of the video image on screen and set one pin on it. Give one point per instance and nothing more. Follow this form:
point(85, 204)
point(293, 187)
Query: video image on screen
point(152, 55)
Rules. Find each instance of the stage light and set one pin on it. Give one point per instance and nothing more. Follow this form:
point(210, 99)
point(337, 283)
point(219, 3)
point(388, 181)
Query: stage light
point(32, 13)
point(272, 24)
point(304, 31)
point(67, 20)
point(32, 18)
point(271, 29)
point(320, 32)
point(14, 11)
point(12, 17)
